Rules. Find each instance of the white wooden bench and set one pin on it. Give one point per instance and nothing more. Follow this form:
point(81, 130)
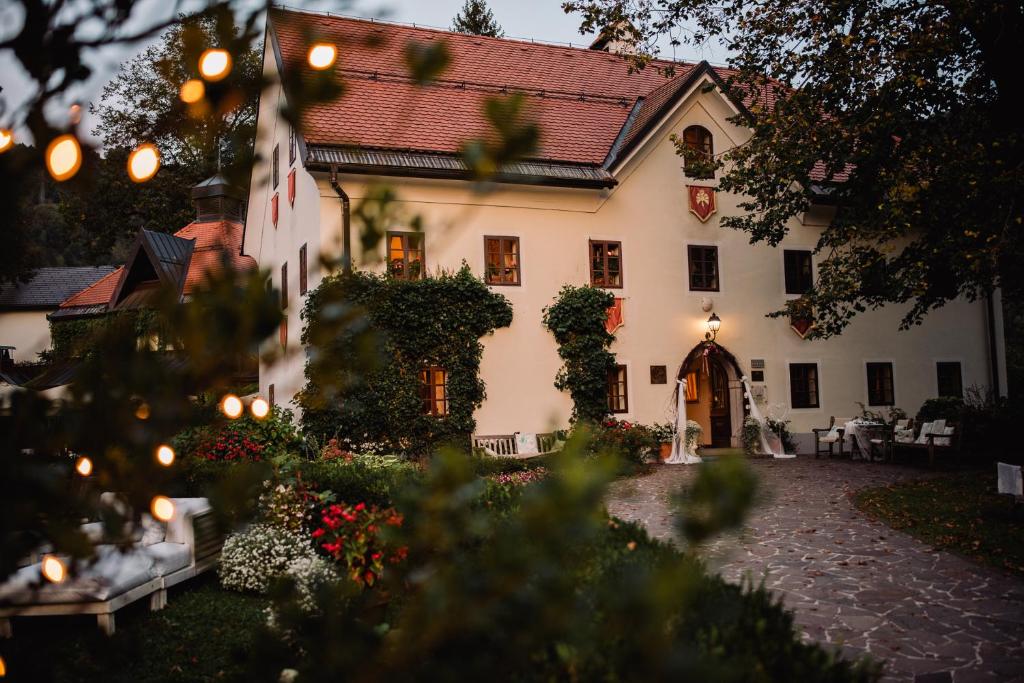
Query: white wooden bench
point(505, 445)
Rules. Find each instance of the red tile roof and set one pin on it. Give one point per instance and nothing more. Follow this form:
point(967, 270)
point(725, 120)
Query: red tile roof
point(581, 98)
point(213, 238)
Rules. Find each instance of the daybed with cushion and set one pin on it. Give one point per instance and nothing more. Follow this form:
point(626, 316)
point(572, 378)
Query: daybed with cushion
point(190, 543)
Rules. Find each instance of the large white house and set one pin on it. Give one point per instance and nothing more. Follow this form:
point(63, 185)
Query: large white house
point(605, 201)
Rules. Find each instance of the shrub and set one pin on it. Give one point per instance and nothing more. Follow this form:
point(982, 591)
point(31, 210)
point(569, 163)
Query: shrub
point(751, 436)
point(629, 440)
point(692, 434)
point(243, 439)
point(371, 479)
point(577, 320)
point(663, 432)
point(947, 408)
point(284, 507)
point(252, 559)
point(781, 429)
point(351, 534)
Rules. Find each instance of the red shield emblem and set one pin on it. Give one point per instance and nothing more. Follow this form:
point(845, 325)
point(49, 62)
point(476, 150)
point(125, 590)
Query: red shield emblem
point(702, 201)
point(802, 326)
point(614, 320)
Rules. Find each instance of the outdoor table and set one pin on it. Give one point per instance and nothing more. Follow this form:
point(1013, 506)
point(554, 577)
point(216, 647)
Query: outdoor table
point(857, 432)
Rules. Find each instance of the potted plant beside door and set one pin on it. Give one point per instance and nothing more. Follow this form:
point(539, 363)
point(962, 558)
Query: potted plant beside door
point(663, 434)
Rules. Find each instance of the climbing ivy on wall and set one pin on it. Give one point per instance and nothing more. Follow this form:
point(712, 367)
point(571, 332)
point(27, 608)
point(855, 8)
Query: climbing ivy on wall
point(73, 338)
point(577, 320)
point(369, 336)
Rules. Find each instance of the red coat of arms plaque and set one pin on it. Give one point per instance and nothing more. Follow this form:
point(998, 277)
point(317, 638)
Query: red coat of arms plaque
point(702, 201)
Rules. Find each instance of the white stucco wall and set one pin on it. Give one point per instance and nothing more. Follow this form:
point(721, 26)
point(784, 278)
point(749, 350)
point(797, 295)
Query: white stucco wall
point(27, 331)
point(648, 213)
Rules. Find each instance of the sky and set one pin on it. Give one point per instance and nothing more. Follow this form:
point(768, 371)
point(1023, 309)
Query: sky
point(536, 19)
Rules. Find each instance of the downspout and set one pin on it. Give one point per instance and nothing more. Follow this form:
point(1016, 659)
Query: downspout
point(993, 352)
point(346, 232)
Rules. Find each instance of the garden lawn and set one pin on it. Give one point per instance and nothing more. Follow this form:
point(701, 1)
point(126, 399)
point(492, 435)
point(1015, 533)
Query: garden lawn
point(961, 513)
point(204, 634)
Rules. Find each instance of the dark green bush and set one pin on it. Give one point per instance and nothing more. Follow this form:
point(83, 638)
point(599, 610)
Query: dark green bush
point(947, 408)
point(355, 481)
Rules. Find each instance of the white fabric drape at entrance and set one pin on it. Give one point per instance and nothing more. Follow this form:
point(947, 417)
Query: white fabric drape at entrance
point(770, 441)
point(682, 452)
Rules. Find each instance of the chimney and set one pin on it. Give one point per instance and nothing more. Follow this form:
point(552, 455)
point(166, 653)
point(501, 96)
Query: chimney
point(216, 199)
point(619, 38)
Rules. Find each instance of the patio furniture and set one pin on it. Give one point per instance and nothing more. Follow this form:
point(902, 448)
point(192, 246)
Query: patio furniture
point(190, 544)
point(833, 434)
point(1010, 480)
point(518, 445)
point(881, 441)
point(935, 437)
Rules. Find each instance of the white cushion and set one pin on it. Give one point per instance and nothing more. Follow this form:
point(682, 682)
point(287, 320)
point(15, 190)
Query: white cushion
point(526, 444)
point(944, 441)
point(904, 436)
point(179, 529)
point(153, 531)
point(168, 557)
point(111, 575)
point(926, 429)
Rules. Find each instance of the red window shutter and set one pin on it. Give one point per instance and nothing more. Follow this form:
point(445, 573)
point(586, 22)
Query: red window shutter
point(273, 209)
point(291, 187)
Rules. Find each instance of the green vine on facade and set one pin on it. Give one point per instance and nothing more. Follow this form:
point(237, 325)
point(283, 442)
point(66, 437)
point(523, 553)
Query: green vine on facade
point(74, 338)
point(373, 336)
point(577, 320)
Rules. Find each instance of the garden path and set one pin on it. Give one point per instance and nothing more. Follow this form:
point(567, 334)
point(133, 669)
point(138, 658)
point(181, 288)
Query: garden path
point(851, 581)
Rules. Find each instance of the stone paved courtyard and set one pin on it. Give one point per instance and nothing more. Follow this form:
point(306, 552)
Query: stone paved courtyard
point(854, 582)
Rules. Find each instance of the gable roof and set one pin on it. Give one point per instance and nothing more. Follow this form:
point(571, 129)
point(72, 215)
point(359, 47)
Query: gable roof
point(209, 242)
point(48, 287)
point(587, 102)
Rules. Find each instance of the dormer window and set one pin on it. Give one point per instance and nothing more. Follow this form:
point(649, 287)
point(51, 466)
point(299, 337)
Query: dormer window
point(698, 152)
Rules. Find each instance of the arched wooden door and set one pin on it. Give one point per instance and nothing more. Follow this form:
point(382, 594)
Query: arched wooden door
point(721, 419)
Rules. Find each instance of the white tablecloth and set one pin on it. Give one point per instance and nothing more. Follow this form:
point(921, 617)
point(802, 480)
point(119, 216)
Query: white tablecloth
point(857, 431)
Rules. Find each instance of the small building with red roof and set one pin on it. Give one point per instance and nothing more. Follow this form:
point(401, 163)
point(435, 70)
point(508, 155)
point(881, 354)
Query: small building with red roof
point(602, 198)
point(181, 260)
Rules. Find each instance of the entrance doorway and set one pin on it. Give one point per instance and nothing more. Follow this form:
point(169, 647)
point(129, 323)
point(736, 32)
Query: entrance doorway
point(714, 394)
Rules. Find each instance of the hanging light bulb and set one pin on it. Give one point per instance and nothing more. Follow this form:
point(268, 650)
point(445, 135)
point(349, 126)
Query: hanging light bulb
point(3, 667)
point(322, 55)
point(259, 408)
point(143, 162)
point(192, 91)
point(165, 455)
point(6, 139)
point(63, 157)
point(75, 114)
point(84, 466)
point(232, 406)
point(215, 64)
point(53, 569)
point(162, 508)
point(142, 412)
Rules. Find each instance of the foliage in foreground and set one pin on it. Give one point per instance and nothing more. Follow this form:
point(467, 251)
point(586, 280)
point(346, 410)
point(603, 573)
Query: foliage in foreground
point(961, 513)
point(549, 588)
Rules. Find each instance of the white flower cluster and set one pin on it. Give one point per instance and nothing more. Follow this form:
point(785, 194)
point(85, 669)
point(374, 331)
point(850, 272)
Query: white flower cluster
point(692, 433)
point(283, 506)
point(365, 447)
point(251, 559)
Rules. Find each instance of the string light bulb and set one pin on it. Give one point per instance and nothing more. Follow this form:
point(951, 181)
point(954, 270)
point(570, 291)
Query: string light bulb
point(142, 412)
point(143, 162)
point(6, 139)
point(259, 408)
point(63, 157)
point(53, 569)
point(322, 55)
point(3, 667)
point(165, 455)
point(192, 91)
point(232, 406)
point(215, 64)
point(84, 466)
point(162, 508)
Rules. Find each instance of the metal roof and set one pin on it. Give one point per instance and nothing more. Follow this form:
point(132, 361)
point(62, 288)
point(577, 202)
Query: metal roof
point(419, 164)
point(48, 287)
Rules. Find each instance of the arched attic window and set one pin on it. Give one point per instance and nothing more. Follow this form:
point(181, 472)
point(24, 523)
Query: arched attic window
point(699, 152)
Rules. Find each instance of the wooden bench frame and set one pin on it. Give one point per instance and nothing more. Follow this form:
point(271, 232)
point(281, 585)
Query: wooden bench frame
point(818, 452)
point(931, 447)
point(504, 445)
point(205, 545)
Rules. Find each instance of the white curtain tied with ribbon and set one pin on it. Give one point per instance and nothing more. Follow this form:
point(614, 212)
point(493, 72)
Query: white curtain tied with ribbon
point(771, 444)
point(683, 453)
